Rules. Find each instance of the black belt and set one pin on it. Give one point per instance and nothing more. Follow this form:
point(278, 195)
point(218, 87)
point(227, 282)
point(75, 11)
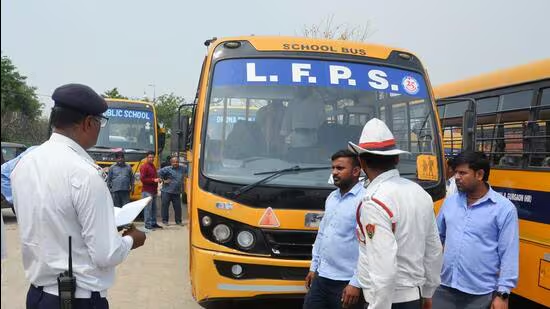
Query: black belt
point(95, 295)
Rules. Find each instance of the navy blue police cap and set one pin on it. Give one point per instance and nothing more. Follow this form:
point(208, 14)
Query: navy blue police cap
point(80, 98)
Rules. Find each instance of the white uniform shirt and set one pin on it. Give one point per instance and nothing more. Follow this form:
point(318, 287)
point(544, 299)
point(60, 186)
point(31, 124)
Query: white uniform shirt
point(59, 192)
point(393, 265)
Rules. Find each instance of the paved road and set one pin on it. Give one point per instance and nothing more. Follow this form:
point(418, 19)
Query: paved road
point(154, 276)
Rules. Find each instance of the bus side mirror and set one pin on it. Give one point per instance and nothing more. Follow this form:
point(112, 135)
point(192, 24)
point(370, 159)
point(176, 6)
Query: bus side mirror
point(468, 130)
point(162, 139)
point(179, 138)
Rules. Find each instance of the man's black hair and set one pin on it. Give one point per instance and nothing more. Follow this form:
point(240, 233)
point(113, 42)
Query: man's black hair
point(476, 161)
point(150, 153)
point(451, 162)
point(345, 153)
point(62, 117)
point(379, 162)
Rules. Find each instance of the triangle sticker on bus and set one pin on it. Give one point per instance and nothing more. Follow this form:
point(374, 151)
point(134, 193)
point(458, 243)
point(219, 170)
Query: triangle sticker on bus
point(269, 219)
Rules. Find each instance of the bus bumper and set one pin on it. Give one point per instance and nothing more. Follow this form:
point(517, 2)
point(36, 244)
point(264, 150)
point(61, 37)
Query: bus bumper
point(212, 276)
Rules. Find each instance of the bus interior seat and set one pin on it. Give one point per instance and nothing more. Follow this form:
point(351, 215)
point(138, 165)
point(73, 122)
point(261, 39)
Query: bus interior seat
point(509, 161)
point(244, 141)
point(332, 137)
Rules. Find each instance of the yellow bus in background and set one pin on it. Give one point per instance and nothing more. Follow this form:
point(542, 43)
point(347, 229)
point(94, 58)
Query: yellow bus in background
point(513, 129)
point(268, 115)
point(132, 128)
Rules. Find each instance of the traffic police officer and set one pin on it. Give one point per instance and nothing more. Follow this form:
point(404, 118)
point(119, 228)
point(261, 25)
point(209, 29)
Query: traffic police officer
point(58, 192)
point(400, 253)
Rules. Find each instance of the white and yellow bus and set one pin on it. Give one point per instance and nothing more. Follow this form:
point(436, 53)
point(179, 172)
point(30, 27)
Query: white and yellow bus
point(270, 111)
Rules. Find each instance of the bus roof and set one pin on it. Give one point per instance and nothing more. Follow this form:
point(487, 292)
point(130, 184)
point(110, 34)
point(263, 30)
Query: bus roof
point(301, 44)
point(518, 75)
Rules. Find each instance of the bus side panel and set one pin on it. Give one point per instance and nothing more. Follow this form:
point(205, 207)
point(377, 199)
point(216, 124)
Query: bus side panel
point(531, 187)
point(530, 259)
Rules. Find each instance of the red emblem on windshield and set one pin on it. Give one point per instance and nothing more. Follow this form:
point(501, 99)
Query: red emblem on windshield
point(370, 230)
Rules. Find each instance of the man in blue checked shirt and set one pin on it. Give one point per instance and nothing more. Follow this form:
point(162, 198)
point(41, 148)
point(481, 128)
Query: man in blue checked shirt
point(120, 180)
point(479, 230)
point(172, 184)
point(331, 280)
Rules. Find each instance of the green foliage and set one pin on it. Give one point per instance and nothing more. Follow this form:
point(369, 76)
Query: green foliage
point(167, 108)
point(113, 94)
point(20, 108)
point(25, 131)
point(16, 95)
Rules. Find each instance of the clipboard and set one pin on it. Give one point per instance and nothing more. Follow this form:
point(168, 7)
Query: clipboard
point(128, 213)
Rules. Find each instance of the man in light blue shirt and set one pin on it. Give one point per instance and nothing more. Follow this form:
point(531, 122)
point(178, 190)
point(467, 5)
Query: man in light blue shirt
point(7, 168)
point(332, 281)
point(479, 230)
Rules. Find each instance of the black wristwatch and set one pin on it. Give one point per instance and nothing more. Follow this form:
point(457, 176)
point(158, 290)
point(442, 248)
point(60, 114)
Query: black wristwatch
point(503, 295)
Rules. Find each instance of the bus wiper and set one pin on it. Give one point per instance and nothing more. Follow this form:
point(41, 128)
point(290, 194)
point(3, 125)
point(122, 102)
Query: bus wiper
point(136, 149)
point(102, 147)
point(275, 174)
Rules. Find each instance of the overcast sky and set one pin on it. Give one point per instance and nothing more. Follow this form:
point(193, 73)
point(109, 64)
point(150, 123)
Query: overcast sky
point(134, 44)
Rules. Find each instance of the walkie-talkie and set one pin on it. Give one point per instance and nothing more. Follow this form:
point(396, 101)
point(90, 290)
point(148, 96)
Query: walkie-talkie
point(67, 283)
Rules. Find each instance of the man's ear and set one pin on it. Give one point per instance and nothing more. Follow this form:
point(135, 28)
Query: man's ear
point(357, 171)
point(479, 174)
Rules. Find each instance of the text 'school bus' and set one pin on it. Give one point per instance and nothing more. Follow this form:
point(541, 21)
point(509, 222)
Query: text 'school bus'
point(269, 113)
point(512, 125)
point(132, 128)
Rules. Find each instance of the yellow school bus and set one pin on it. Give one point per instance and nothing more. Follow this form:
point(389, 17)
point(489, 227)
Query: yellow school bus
point(268, 115)
point(513, 128)
point(132, 128)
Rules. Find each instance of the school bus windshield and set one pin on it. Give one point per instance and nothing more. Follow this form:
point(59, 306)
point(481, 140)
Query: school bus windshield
point(270, 114)
point(132, 129)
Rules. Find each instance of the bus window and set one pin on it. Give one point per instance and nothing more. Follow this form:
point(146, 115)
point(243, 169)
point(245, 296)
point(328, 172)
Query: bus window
point(510, 141)
point(487, 105)
point(315, 122)
point(456, 109)
point(441, 110)
point(485, 137)
point(540, 156)
point(545, 99)
point(517, 100)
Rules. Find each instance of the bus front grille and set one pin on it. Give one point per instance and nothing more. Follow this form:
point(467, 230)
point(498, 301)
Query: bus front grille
point(290, 244)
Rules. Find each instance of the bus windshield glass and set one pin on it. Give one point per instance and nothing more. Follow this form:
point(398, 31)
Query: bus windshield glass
point(130, 129)
point(271, 114)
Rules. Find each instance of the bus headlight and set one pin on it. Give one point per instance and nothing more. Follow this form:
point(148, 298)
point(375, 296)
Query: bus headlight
point(136, 177)
point(222, 233)
point(206, 221)
point(245, 239)
point(237, 270)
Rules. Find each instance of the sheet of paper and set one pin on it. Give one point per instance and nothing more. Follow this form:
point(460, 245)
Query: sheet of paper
point(128, 213)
